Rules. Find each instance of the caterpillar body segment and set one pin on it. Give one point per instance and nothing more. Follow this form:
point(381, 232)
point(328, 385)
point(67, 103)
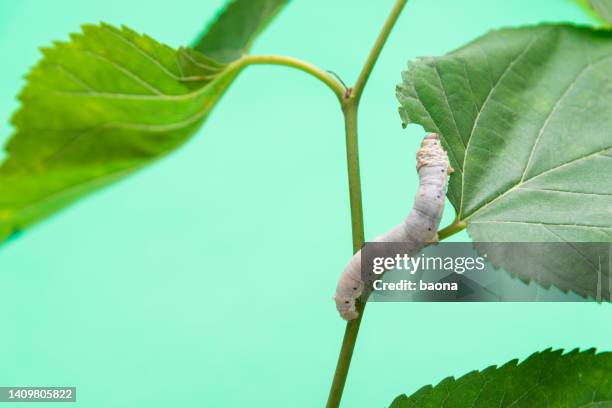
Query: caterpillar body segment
point(418, 230)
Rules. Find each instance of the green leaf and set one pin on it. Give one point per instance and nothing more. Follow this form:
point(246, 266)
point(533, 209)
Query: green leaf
point(94, 110)
point(235, 29)
point(525, 117)
point(546, 379)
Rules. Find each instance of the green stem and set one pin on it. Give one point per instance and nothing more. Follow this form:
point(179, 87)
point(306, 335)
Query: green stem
point(344, 359)
point(331, 82)
point(350, 107)
point(377, 48)
point(352, 327)
point(457, 226)
point(349, 100)
point(352, 159)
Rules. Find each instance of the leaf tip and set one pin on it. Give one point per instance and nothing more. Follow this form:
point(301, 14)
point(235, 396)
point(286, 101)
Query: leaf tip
point(404, 117)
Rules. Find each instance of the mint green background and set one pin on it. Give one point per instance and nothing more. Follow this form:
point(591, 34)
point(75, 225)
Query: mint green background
point(206, 279)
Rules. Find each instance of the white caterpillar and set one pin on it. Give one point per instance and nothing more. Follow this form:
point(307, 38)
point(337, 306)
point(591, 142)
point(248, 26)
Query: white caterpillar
point(418, 230)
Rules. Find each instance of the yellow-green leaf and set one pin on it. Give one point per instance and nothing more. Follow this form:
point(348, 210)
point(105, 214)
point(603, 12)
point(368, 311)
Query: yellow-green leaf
point(95, 109)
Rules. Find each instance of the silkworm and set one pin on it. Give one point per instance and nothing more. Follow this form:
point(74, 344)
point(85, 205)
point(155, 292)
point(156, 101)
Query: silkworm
point(418, 230)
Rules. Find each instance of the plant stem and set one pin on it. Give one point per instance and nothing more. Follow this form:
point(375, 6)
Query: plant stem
point(354, 178)
point(331, 82)
point(377, 48)
point(457, 226)
point(344, 359)
point(349, 100)
point(350, 106)
point(352, 327)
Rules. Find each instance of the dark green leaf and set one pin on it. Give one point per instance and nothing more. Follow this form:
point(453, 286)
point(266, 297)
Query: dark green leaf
point(94, 110)
point(232, 33)
point(525, 116)
point(547, 379)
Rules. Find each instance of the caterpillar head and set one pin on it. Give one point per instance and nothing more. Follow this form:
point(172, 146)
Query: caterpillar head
point(346, 307)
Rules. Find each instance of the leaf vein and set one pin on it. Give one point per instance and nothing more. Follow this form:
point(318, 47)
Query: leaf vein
point(478, 115)
point(556, 106)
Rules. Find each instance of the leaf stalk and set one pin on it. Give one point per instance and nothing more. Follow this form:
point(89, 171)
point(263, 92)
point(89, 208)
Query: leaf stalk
point(377, 48)
point(457, 226)
point(329, 80)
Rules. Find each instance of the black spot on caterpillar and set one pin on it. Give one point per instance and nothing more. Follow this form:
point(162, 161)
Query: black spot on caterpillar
point(418, 230)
